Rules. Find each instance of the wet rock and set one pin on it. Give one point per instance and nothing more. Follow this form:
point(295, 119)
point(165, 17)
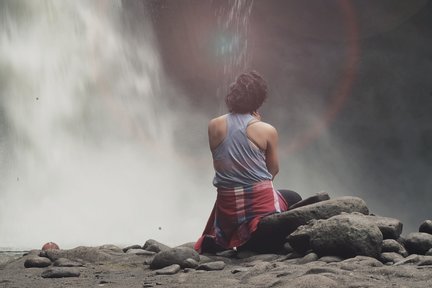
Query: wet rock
point(426, 227)
point(37, 262)
point(132, 247)
point(390, 257)
point(63, 262)
point(169, 270)
point(176, 255)
point(282, 224)
point(391, 245)
point(155, 246)
point(418, 243)
point(60, 272)
point(212, 266)
point(345, 235)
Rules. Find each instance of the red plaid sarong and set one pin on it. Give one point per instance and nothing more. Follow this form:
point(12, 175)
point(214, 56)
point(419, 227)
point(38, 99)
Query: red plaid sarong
point(237, 212)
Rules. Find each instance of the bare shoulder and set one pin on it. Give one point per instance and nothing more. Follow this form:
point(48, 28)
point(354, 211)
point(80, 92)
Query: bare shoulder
point(215, 122)
point(264, 127)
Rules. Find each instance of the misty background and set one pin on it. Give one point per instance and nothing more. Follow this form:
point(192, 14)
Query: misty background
point(104, 108)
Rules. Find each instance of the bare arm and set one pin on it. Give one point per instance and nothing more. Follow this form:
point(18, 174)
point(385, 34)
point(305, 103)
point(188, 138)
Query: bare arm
point(272, 156)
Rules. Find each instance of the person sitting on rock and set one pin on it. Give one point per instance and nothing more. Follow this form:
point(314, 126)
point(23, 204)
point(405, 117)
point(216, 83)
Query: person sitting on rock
point(245, 160)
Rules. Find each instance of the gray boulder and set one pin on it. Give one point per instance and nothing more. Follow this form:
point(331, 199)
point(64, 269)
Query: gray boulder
point(390, 257)
point(61, 272)
point(273, 229)
point(212, 266)
point(169, 270)
point(426, 227)
point(177, 255)
point(345, 235)
point(82, 254)
point(37, 262)
point(418, 243)
point(155, 246)
point(391, 245)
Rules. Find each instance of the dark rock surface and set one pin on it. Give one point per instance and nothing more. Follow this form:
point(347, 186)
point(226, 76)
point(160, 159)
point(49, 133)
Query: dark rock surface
point(37, 262)
point(418, 243)
point(176, 255)
point(426, 227)
point(345, 235)
point(60, 272)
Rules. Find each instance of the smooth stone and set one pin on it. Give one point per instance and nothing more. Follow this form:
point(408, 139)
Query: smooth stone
point(391, 257)
point(311, 257)
point(190, 263)
point(136, 246)
point(81, 253)
point(426, 227)
point(37, 262)
point(212, 266)
point(155, 246)
point(429, 253)
point(418, 243)
point(169, 270)
point(391, 245)
point(345, 235)
point(63, 262)
point(176, 255)
point(60, 272)
point(274, 228)
point(330, 259)
point(140, 252)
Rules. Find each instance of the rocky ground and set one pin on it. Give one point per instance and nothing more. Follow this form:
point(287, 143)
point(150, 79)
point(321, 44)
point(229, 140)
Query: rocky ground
point(333, 243)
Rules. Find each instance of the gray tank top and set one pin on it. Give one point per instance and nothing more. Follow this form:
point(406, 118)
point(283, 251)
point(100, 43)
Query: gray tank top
point(237, 161)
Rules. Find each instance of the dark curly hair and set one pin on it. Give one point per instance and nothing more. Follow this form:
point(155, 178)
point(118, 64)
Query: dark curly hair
point(247, 93)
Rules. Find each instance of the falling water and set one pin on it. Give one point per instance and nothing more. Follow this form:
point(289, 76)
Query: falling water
point(86, 146)
point(233, 22)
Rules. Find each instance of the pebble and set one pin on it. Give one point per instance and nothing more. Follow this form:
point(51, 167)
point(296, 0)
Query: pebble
point(37, 262)
point(212, 266)
point(61, 272)
point(169, 270)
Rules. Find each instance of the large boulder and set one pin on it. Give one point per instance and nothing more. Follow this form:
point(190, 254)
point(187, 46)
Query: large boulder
point(273, 229)
point(418, 243)
point(178, 255)
point(346, 235)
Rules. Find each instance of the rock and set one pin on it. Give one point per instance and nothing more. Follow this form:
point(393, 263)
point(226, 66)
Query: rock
point(63, 262)
point(169, 270)
point(287, 248)
point(60, 272)
point(239, 270)
point(330, 259)
point(353, 264)
point(273, 229)
point(132, 247)
point(37, 262)
point(212, 266)
point(418, 243)
point(155, 246)
point(188, 244)
point(425, 261)
point(81, 254)
point(411, 259)
point(176, 255)
point(345, 235)
point(391, 245)
point(429, 253)
point(111, 247)
point(390, 228)
point(140, 252)
point(426, 227)
point(390, 257)
point(308, 258)
point(190, 263)
point(227, 253)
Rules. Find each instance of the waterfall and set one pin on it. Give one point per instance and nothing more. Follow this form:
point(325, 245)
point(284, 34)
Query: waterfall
point(86, 145)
